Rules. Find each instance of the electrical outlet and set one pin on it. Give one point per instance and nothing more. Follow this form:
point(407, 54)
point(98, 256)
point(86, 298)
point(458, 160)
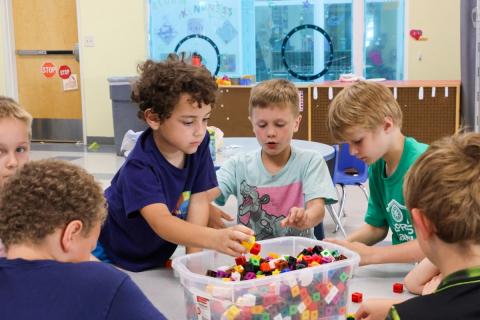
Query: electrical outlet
point(89, 41)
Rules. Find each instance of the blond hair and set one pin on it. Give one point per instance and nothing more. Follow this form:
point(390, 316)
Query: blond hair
point(364, 104)
point(280, 92)
point(444, 183)
point(45, 195)
point(9, 108)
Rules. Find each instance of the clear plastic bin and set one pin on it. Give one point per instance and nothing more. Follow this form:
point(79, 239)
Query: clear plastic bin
point(319, 292)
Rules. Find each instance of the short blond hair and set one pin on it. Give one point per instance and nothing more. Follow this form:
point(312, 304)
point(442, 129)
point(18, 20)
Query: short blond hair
point(280, 92)
point(45, 195)
point(444, 183)
point(9, 108)
point(364, 104)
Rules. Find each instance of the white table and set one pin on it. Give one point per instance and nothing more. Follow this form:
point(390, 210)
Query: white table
point(235, 145)
point(375, 281)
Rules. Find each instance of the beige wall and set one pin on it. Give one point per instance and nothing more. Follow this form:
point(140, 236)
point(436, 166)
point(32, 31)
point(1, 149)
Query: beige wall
point(2, 54)
point(119, 30)
point(437, 58)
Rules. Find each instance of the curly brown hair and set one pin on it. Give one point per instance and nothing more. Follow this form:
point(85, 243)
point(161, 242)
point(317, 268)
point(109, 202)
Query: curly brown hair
point(45, 195)
point(444, 183)
point(162, 83)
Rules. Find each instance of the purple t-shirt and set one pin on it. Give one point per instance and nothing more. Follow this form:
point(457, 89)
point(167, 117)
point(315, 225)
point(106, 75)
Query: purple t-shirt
point(146, 178)
point(48, 289)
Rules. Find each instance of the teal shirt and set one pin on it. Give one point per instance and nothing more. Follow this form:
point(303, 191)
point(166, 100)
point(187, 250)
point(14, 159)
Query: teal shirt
point(386, 205)
point(265, 199)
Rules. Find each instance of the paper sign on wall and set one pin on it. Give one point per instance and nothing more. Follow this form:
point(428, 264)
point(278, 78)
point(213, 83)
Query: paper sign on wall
point(300, 100)
point(71, 83)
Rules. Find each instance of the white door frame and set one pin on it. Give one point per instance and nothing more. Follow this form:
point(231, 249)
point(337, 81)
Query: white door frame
point(11, 80)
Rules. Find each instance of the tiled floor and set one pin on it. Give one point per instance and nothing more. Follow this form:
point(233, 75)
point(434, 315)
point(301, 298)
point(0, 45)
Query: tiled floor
point(103, 164)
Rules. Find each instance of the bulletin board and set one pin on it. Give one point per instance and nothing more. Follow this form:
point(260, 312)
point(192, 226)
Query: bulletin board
point(426, 117)
point(430, 108)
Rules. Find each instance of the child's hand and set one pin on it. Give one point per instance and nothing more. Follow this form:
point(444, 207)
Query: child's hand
point(229, 240)
point(216, 216)
point(297, 218)
point(366, 252)
point(374, 309)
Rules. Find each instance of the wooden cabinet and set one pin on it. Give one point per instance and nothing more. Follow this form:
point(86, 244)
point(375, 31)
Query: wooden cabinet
point(231, 112)
point(426, 116)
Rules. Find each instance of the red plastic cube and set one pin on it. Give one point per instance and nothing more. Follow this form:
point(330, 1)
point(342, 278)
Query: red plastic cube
point(398, 287)
point(240, 261)
point(256, 248)
point(357, 297)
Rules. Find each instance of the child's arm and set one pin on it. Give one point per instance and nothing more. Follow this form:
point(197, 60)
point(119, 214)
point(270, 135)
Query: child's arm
point(368, 234)
point(400, 253)
point(421, 276)
point(216, 214)
point(188, 234)
point(301, 218)
point(375, 309)
point(198, 213)
point(216, 217)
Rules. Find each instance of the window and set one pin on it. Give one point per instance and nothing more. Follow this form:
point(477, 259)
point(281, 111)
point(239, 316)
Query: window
point(383, 39)
point(301, 40)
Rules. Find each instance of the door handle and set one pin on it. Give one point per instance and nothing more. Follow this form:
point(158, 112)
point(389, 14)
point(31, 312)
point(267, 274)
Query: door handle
point(75, 52)
point(42, 52)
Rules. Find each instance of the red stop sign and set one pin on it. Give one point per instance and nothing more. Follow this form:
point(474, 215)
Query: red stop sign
point(64, 72)
point(48, 69)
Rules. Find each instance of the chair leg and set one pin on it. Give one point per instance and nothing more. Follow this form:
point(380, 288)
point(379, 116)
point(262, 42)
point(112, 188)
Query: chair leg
point(365, 192)
point(336, 219)
point(341, 204)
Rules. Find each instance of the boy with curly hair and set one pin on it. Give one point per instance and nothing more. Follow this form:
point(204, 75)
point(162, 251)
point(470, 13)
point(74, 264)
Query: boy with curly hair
point(442, 191)
point(367, 116)
point(50, 217)
point(281, 190)
point(158, 198)
point(15, 136)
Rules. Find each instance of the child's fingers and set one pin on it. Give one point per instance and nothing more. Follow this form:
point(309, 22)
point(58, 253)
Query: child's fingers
point(226, 216)
point(361, 313)
point(284, 222)
point(246, 232)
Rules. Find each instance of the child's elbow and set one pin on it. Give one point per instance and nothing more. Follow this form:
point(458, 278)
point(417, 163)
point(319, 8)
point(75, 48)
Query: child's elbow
point(412, 284)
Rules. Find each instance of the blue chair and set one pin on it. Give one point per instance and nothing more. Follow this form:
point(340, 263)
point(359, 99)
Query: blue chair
point(348, 171)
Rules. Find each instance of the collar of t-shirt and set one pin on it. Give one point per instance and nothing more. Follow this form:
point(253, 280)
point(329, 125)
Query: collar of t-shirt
point(461, 277)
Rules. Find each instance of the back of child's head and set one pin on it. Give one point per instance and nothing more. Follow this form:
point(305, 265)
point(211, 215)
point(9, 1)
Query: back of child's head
point(162, 83)
point(364, 104)
point(444, 183)
point(10, 109)
point(46, 195)
point(278, 92)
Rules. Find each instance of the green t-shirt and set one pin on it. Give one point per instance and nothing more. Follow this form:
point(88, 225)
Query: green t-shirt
point(386, 205)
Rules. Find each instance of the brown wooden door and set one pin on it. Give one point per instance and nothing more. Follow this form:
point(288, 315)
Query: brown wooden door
point(48, 79)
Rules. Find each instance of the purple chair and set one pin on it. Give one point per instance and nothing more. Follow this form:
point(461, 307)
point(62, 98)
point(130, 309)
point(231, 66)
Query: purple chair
point(348, 171)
